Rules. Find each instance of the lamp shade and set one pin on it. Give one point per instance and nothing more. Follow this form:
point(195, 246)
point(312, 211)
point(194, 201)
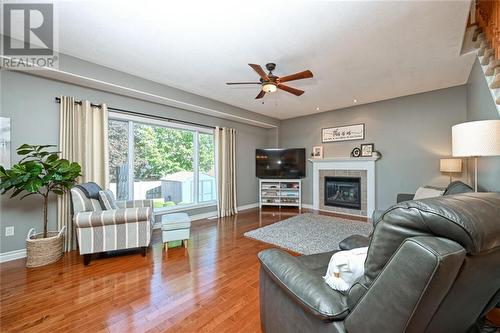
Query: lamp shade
point(450, 165)
point(476, 138)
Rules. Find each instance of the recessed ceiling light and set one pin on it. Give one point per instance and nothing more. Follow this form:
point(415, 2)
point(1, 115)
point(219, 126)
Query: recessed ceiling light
point(355, 100)
point(317, 109)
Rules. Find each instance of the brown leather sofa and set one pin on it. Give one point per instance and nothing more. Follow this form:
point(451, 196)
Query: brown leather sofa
point(433, 265)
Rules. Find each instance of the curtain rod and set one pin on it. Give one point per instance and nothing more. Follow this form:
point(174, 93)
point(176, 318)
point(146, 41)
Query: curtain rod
point(58, 100)
point(135, 113)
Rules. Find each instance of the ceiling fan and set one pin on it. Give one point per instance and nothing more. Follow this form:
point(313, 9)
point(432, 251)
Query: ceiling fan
point(270, 82)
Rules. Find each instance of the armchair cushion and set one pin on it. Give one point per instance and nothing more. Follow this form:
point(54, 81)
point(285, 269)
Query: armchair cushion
point(107, 200)
point(305, 287)
point(81, 203)
point(112, 216)
point(90, 189)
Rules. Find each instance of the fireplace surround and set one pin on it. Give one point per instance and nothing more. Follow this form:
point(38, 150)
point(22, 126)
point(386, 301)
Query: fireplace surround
point(360, 167)
point(344, 201)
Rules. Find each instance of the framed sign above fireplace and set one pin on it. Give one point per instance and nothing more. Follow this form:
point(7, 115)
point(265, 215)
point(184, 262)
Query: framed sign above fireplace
point(343, 133)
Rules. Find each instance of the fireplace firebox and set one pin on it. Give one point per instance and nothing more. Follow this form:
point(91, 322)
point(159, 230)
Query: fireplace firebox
point(343, 192)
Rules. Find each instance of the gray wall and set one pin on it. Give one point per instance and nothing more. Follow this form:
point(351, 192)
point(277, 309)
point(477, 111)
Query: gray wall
point(481, 106)
point(273, 137)
point(29, 101)
point(411, 132)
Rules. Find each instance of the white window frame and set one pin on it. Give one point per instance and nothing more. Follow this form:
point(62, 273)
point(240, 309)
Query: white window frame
point(131, 119)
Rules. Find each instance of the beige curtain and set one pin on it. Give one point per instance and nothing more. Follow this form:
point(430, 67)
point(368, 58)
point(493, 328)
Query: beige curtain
point(83, 138)
point(225, 143)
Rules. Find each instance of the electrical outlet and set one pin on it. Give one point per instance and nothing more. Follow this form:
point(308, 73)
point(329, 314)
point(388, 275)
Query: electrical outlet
point(9, 231)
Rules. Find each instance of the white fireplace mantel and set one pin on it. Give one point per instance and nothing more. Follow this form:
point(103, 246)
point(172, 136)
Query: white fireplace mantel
point(342, 159)
point(346, 163)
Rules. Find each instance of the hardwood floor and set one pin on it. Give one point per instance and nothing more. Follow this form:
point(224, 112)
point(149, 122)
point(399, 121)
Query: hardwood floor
point(212, 286)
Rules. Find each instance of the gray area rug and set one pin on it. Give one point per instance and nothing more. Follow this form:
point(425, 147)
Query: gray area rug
point(310, 233)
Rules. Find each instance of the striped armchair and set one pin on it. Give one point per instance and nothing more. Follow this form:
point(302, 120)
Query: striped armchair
point(99, 230)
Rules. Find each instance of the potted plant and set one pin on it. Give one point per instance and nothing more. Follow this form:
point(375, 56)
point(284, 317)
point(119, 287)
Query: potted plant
point(40, 172)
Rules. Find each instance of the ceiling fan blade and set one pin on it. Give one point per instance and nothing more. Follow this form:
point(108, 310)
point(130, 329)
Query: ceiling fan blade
point(297, 76)
point(260, 95)
point(233, 83)
point(259, 71)
point(296, 92)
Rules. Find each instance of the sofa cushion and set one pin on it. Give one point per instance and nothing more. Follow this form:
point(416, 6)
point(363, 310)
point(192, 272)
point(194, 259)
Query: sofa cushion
point(404, 197)
point(457, 187)
point(427, 192)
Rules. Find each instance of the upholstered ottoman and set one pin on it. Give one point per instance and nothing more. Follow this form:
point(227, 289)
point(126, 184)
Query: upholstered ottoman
point(175, 227)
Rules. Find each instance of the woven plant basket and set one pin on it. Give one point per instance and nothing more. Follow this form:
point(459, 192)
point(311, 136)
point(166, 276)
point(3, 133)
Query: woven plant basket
point(43, 251)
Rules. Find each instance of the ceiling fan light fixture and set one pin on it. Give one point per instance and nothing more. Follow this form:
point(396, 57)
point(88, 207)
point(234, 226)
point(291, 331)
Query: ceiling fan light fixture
point(269, 87)
point(270, 83)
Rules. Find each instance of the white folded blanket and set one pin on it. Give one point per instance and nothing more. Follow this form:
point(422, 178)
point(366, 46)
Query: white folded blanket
point(345, 268)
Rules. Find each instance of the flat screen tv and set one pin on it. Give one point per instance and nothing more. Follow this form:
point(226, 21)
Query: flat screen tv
point(280, 163)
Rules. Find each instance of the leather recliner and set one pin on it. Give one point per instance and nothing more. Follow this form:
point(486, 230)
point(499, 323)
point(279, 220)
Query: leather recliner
point(355, 241)
point(433, 265)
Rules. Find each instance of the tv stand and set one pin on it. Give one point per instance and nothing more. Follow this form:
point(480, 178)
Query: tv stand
point(280, 192)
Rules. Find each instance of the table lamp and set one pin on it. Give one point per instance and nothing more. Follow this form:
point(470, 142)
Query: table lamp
point(475, 139)
point(450, 165)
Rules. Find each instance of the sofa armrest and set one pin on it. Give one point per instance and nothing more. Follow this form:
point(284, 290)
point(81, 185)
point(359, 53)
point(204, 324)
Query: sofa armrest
point(410, 288)
point(112, 216)
point(354, 242)
point(134, 203)
point(404, 197)
point(307, 289)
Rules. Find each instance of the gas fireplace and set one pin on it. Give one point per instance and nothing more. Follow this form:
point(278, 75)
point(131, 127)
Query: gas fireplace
point(343, 192)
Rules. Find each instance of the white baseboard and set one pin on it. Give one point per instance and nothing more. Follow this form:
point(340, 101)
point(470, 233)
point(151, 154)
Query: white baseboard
point(340, 213)
point(12, 255)
point(308, 206)
point(249, 206)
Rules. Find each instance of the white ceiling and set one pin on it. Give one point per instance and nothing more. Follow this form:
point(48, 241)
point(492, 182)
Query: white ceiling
point(368, 51)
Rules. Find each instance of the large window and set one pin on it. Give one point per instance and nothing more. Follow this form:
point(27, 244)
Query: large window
point(169, 163)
